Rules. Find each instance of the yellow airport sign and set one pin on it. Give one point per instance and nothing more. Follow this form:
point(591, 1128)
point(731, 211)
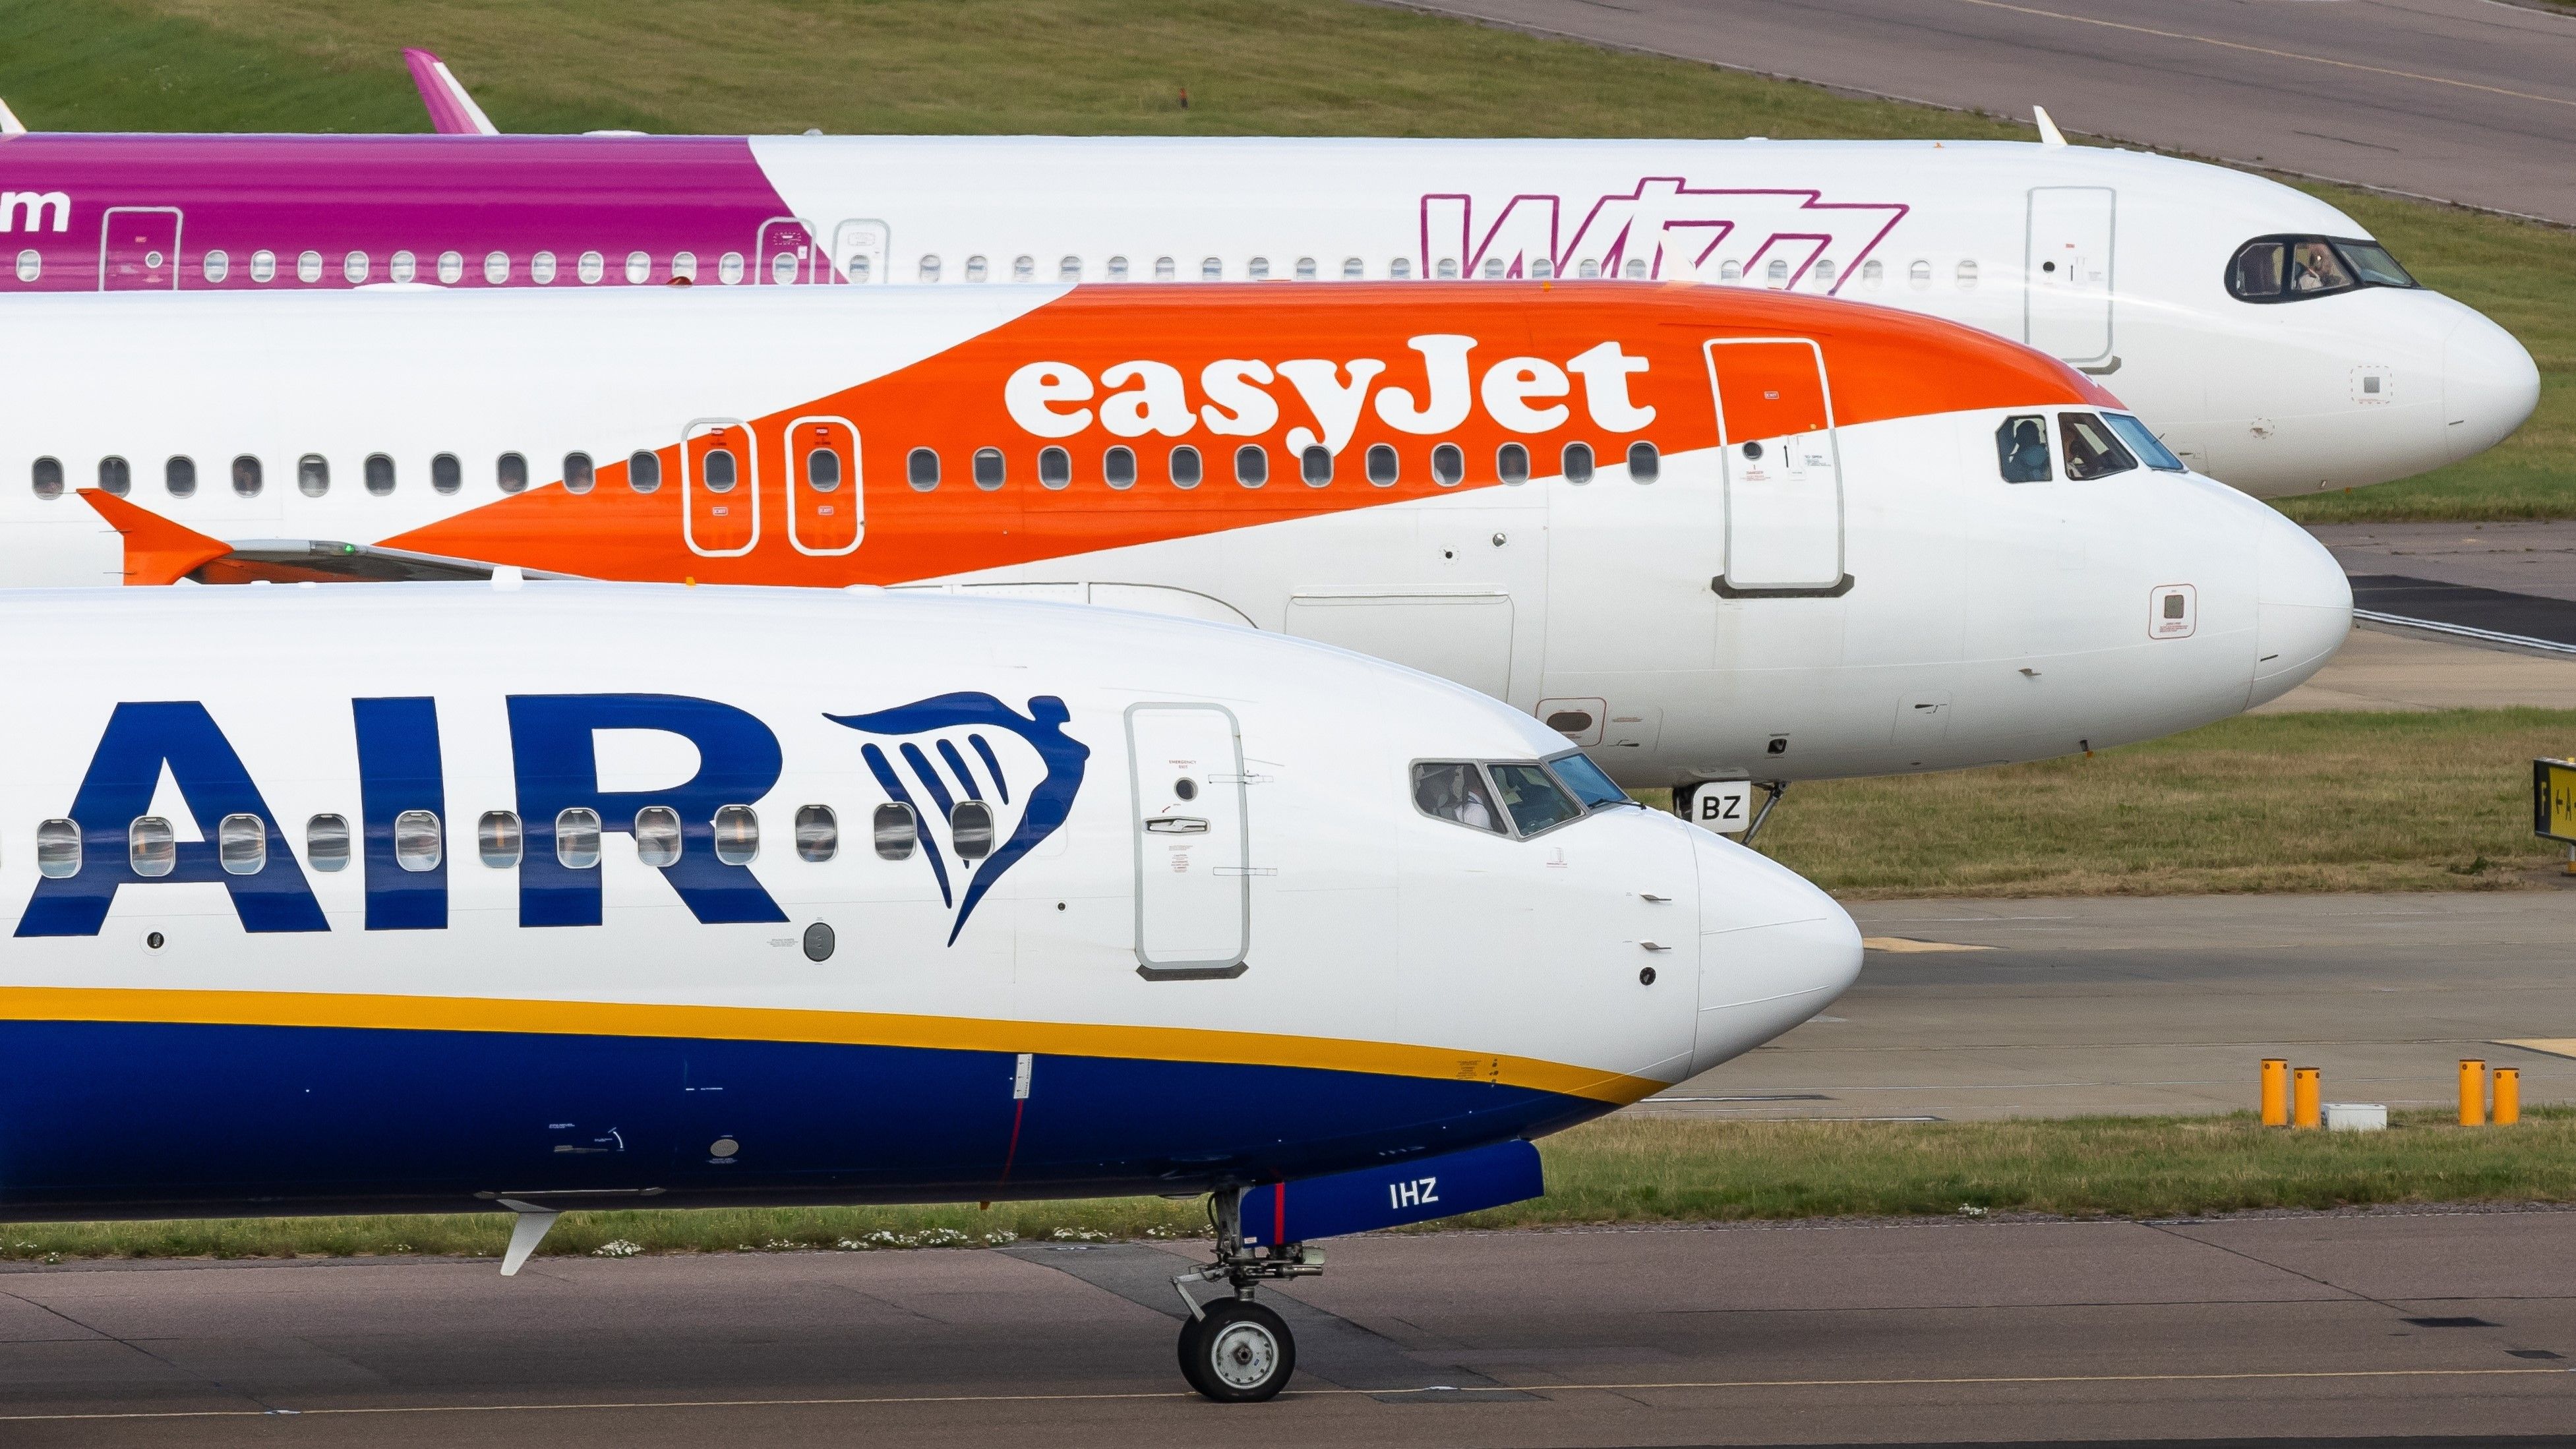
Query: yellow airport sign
point(2553, 799)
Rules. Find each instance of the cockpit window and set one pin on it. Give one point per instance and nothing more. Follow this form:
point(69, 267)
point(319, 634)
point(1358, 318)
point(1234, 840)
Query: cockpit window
point(2021, 449)
point(2143, 443)
point(1455, 790)
point(1533, 797)
point(1589, 782)
point(2295, 268)
point(2091, 451)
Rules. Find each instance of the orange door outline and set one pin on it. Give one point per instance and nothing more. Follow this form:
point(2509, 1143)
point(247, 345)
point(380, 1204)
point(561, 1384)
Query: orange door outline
point(701, 507)
point(825, 524)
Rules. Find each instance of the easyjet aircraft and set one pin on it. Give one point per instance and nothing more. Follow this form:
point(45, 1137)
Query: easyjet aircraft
point(535, 896)
point(1717, 533)
point(2268, 340)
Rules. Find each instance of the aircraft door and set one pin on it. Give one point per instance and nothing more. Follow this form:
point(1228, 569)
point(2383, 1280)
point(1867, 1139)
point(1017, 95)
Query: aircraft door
point(720, 488)
point(786, 252)
point(826, 511)
point(1193, 864)
point(859, 252)
point(2066, 296)
point(1784, 494)
point(138, 249)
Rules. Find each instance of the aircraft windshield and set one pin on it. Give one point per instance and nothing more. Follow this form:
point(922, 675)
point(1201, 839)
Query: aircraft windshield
point(2294, 268)
point(2143, 443)
point(1589, 782)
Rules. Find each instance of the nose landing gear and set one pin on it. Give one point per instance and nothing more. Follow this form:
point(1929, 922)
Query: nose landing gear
point(1234, 1350)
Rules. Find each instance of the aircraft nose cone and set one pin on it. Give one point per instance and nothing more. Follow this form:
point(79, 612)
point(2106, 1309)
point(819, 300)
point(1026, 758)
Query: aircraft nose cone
point(1774, 950)
point(2489, 385)
point(2304, 606)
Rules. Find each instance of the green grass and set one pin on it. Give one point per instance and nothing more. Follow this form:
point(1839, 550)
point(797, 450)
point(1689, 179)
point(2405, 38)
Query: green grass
point(2297, 802)
point(1623, 1170)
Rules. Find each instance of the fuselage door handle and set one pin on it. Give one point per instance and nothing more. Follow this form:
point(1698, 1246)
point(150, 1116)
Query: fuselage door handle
point(1655, 899)
point(1176, 825)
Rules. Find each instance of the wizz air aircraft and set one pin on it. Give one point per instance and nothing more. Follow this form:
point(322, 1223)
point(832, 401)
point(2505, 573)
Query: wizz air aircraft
point(2268, 340)
point(535, 896)
point(1714, 533)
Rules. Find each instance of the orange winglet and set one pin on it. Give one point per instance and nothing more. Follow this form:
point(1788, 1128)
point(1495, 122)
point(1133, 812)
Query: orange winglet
point(157, 551)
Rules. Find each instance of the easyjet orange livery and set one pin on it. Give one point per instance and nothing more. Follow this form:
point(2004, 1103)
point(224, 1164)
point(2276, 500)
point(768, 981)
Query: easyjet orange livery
point(1715, 534)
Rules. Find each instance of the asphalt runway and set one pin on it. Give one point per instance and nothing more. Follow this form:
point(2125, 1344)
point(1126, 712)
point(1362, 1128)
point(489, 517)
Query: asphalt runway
point(2291, 1326)
point(2169, 1004)
point(2464, 100)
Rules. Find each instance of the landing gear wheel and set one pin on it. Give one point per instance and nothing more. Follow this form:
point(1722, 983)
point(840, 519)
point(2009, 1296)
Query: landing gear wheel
point(1240, 1353)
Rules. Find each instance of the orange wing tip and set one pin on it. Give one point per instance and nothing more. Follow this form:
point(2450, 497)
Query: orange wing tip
point(157, 551)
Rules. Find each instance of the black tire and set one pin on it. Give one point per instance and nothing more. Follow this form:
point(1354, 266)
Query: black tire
point(1240, 1353)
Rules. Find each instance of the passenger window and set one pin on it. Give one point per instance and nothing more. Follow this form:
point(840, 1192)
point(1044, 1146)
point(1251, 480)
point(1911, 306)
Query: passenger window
point(1645, 465)
point(353, 269)
point(1448, 465)
point(1117, 269)
point(1588, 269)
point(496, 268)
point(1383, 465)
point(451, 268)
point(684, 267)
point(1118, 467)
point(541, 268)
point(2144, 443)
point(1777, 274)
point(1456, 791)
point(1055, 468)
point(1069, 270)
point(1542, 267)
point(1400, 269)
point(1252, 465)
point(1823, 275)
point(729, 269)
point(577, 838)
point(1257, 270)
point(2091, 450)
point(48, 477)
point(1187, 469)
point(326, 842)
point(1211, 270)
point(247, 477)
point(379, 471)
point(643, 470)
point(1873, 274)
point(1024, 269)
point(1589, 783)
point(718, 468)
point(1576, 460)
point(308, 267)
point(590, 267)
point(419, 844)
point(1315, 465)
point(921, 468)
point(970, 829)
point(114, 476)
point(312, 475)
point(1305, 269)
point(657, 836)
point(1967, 274)
point(217, 265)
point(1511, 464)
point(976, 269)
point(818, 833)
point(1447, 270)
point(1166, 270)
point(1919, 275)
point(1533, 797)
point(823, 470)
point(578, 475)
point(639, 268)
point(893, 831)
point(58, 849)
point(782, 269)
point(1353, 269)
point(179, 475)
point(511, 472)
point(498, 839)
point(31, 265)
point(446, 475)
point(1730, 271)
point(241, 844)
point(2021, 450)
point(151, 847)
point(990, 470)
point(737, 834)
point(1635, 269)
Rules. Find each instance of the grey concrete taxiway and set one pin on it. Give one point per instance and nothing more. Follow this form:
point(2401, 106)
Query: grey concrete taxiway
point(2169, 1004)
point(1942, 1331)
point(2465, 100)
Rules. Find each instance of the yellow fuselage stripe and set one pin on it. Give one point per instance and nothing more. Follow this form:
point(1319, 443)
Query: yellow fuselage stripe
point(837, 1028)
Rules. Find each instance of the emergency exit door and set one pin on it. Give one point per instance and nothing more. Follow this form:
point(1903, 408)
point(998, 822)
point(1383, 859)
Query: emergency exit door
point(1784, 491)
point(719, 488)
point(138, 249)
point(826, 512)
point(786, 252)
point(859, 252)
point(2066, 297)
point(1193, 865)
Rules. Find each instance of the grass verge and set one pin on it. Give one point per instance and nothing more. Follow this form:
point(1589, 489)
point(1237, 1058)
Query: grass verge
point(1624, 1170)
point(2298, 802)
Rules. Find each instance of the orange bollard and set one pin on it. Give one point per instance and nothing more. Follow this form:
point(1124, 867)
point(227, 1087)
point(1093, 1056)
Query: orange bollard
point(2304, 1110)
point(2508, 1096)
point(2473, 1093)
point(2276, 1092)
